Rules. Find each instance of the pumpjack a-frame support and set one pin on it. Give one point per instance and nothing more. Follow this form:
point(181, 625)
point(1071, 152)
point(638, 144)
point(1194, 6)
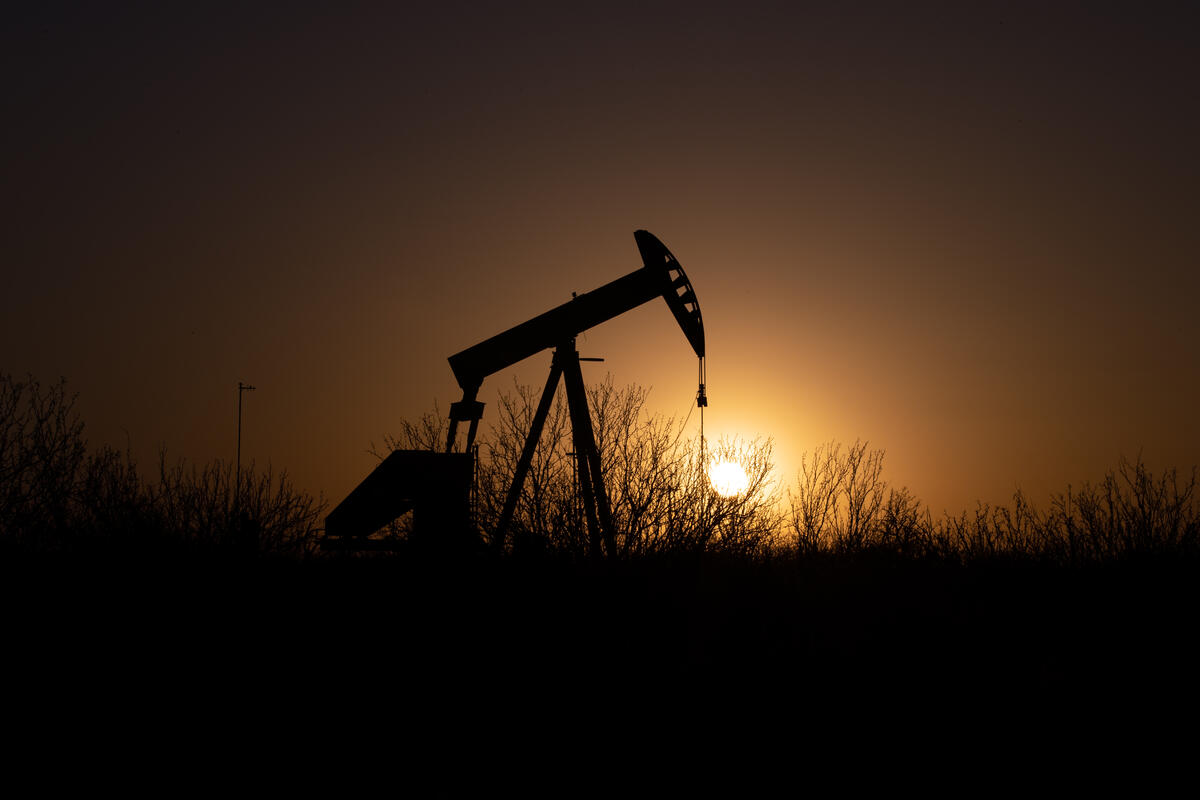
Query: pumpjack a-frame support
point(565, 365)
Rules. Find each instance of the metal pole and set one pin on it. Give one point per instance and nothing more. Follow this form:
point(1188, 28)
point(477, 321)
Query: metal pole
point(239, 439)
point(237, 486)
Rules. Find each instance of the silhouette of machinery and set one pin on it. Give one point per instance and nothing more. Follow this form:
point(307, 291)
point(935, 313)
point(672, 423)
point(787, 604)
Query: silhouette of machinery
point(437, 486)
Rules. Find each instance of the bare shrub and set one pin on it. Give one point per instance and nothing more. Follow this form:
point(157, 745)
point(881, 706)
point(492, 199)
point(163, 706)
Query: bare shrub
point(111, 504)
point(41, 451)
point(662, 501)
point(747, 523)
point(1130, 514)
point(546, 514)
point(427, 433)
point(197, 505)
point(842, 504)
point(907, 526)
point(55, 495)
point(659, 494)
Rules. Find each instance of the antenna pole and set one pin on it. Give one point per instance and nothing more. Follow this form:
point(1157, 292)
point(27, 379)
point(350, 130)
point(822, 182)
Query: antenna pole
point(237, 486)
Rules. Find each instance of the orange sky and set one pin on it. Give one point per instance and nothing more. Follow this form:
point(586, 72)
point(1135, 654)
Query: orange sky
point(967, 235)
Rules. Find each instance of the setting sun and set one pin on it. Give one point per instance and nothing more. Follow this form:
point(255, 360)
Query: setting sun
point(728, 478)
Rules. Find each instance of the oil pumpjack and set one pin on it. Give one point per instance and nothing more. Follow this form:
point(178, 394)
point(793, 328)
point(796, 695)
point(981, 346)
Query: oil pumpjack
point(436, 487)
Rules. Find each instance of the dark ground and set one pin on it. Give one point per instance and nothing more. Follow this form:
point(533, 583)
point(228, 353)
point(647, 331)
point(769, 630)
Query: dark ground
point(816, 628)
point(866, 670)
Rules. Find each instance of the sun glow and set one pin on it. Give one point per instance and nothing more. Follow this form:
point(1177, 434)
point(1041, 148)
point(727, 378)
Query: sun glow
point(728, 478)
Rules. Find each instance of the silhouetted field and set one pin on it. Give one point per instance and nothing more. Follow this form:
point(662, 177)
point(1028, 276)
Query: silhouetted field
point(104, 573)
point(813, 626)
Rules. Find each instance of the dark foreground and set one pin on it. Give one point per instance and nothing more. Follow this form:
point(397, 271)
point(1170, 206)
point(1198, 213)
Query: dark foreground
point(423, 626)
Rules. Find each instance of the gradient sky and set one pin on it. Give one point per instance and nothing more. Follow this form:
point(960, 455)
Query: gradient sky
point(967, 233)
